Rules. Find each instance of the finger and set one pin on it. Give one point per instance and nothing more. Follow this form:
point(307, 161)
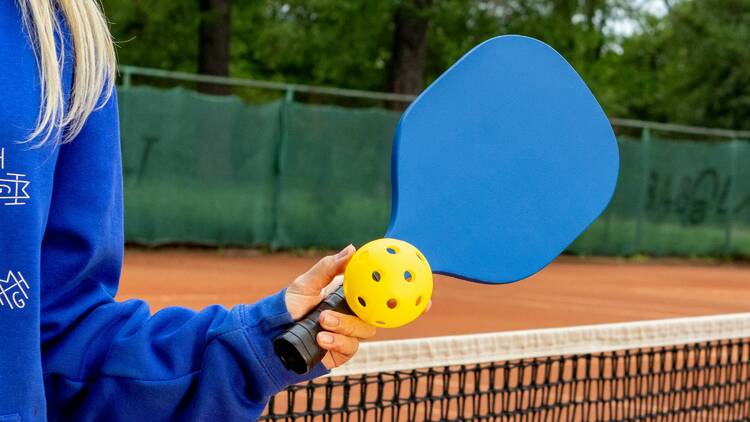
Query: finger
point(325, 270)
point(335, 359)
point(332, 286)
point(338, 343)
point(314, 280)
point(330, 266)
point(348, 325)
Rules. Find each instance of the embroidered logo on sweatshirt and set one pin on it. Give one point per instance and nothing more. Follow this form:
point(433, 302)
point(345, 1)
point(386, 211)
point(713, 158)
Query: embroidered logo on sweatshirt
point(13, 186)
point(13, 291)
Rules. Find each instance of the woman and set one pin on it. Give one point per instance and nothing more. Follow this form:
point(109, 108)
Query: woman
point(69, 351)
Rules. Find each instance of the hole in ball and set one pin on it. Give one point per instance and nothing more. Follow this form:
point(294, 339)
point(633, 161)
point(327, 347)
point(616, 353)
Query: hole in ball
point(380, 322)
point(392, 250)
point(361, 301)
point(408, 276)
point(392, 303)
point(419, 255)
point(376, 276)
point(419, 300)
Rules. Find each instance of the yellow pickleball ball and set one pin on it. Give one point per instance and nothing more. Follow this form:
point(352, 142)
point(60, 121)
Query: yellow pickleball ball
point(388, 283)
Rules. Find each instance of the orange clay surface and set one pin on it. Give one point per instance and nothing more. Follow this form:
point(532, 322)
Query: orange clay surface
point(571, 291)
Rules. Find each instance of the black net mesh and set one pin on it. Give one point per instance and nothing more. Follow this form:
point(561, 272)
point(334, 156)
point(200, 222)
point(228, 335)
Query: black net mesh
point(707, 381)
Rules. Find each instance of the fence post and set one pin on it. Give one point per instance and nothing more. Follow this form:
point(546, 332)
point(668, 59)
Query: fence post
point(646, 167)
point(277, 240)
point(734, 146)
point(289, 97)
point(126, 78)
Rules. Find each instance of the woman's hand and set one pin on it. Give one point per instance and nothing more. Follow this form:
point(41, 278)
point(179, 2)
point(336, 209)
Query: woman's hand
point(343, 332)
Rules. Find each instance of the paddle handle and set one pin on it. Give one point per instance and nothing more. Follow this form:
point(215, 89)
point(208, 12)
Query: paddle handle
point(297, 346)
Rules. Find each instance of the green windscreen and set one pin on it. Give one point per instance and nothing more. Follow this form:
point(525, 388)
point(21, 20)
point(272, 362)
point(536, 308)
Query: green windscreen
point(216, 171)
point(198, 169)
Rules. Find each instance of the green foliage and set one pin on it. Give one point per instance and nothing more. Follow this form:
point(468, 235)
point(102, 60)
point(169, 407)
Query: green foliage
point(327, 42)
point(690, 66)
point(152, 33)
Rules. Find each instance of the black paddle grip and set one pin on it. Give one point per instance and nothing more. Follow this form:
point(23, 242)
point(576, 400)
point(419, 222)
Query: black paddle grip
point(297, 347)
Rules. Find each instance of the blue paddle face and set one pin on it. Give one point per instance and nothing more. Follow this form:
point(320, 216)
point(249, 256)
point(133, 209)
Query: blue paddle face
point(501, 163)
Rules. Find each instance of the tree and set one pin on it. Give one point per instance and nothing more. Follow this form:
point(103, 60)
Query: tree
point(214, 36)
point(690, 67)
point(409, 53)
point(140, 25)
point(325, 42)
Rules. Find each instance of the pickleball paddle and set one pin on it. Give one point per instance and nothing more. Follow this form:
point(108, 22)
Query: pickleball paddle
point(497, 167)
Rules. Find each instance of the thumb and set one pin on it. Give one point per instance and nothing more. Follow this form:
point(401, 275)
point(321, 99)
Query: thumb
point(321, 274)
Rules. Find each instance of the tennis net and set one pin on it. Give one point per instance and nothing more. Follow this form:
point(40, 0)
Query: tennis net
point(695, 369)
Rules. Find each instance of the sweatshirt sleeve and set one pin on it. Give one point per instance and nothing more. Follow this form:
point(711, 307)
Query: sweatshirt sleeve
point(115, 361)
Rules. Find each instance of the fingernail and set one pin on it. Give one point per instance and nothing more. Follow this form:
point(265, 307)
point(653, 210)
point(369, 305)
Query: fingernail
point(344, 252)
point(331, 321)
point(325, 338)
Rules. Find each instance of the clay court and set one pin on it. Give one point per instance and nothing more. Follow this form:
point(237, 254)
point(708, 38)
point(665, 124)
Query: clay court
point(571, 291)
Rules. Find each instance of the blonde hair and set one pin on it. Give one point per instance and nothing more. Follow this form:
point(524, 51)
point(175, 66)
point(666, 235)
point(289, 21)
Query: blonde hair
point(93, 60)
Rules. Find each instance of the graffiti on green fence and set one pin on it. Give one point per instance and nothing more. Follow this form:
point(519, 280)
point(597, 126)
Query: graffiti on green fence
point(693, 198)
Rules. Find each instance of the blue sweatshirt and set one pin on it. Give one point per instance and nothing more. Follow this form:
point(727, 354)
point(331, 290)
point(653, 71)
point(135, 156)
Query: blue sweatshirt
point(68, 350)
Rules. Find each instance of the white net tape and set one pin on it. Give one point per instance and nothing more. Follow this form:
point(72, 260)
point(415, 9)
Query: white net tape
point(402, 355)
